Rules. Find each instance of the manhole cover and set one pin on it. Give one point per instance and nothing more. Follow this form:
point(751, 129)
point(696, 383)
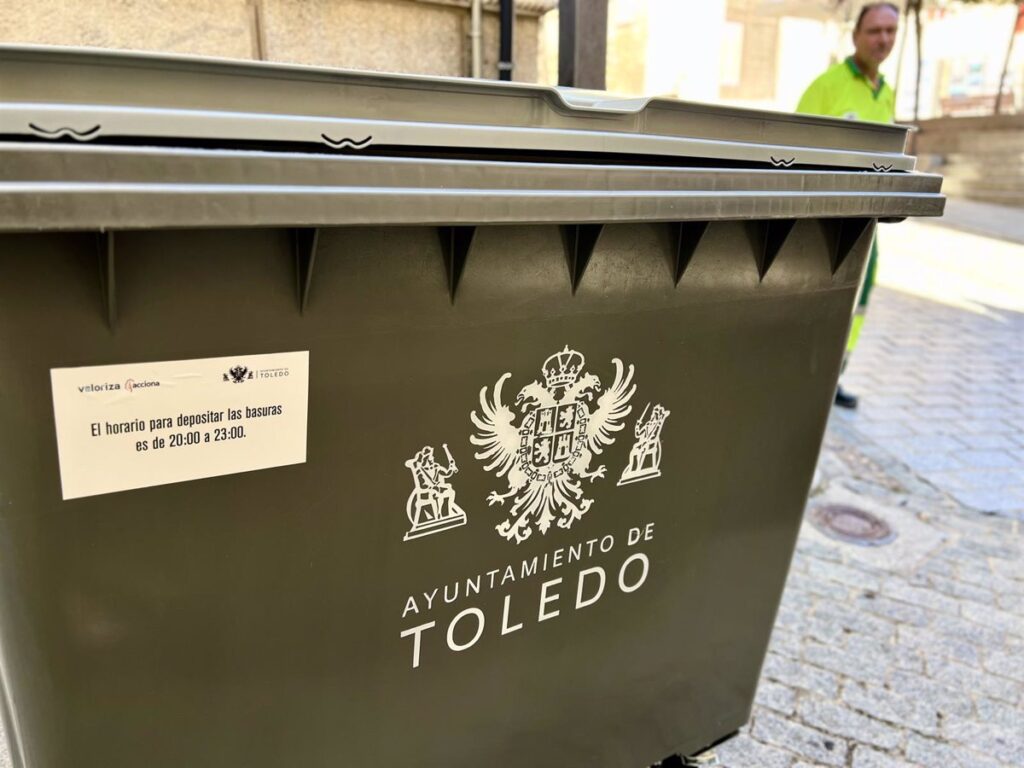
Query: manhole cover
point(852, 525)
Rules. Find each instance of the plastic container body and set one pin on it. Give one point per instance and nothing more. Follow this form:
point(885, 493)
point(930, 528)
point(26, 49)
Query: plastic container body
point(623, 374)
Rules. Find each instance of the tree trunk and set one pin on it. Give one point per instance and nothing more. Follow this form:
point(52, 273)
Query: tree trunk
point(916, 6)
point(899, 63)
point(1009, 51)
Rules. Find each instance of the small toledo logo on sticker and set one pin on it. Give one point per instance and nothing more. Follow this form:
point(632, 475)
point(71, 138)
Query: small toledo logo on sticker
point(565, 422)
point(238, 374)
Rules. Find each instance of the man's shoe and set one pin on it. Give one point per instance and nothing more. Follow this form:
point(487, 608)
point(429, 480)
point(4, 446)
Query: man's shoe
point(845, 399)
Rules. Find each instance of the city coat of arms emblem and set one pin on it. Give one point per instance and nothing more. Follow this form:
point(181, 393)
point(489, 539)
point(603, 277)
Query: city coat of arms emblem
point(565, 422)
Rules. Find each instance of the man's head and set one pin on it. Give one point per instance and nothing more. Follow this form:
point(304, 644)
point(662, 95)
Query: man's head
point(875, 32)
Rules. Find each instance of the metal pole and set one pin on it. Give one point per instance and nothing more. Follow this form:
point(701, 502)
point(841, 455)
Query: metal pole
point(259, 42)
point(567, 42)
point(505, 51)
point(475, 37)
point(582, 43)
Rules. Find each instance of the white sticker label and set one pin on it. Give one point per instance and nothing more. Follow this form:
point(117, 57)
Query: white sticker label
point(134, 426)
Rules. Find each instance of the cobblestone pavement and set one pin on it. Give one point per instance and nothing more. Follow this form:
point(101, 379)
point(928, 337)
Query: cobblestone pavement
point(912, 654)
point(940, 368)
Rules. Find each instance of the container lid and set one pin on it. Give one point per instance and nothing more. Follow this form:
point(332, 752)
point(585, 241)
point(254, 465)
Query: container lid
point(118, 98)
point(66, 186)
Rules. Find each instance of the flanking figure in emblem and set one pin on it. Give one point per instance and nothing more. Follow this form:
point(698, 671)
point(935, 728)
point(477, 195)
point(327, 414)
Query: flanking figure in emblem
point(431, 507)
point(566, 421)
point(645, 455)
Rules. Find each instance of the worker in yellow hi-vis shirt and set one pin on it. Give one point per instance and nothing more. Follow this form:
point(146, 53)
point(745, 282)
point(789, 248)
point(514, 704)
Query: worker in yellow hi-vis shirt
point(856, 90)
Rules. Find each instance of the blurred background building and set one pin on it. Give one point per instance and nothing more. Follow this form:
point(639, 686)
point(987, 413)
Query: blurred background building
point(763, 53)
point(756, 53)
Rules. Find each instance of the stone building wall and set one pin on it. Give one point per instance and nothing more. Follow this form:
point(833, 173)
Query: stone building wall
point(980, 158)
point(416, 36)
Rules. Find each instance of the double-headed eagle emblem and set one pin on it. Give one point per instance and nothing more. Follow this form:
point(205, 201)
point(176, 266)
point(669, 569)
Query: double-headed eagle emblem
point(565, 422)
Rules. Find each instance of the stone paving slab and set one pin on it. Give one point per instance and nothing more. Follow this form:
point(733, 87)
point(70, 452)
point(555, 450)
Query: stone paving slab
point(940, 366)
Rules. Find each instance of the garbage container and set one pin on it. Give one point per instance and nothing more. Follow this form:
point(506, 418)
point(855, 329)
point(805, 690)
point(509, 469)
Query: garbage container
point(363, 419)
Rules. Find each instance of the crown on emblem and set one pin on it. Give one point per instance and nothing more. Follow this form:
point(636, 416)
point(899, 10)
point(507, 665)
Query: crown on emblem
point(562, 368)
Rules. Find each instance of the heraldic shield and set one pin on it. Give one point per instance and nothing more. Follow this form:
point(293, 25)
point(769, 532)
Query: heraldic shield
point(553, 438)
point(566, 421)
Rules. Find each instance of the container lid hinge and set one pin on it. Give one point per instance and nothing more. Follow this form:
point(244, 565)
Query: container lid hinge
point(65, 131)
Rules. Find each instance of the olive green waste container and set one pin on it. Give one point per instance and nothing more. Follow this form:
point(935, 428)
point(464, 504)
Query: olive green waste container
point(351, 419)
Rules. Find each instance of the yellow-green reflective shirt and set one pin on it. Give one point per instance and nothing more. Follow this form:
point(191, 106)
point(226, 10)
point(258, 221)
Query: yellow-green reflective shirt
point(844, 91)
